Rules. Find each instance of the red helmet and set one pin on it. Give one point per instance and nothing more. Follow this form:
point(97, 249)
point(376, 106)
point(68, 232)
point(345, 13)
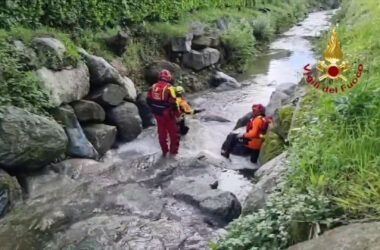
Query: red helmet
point(258, 109)
point(165, 75)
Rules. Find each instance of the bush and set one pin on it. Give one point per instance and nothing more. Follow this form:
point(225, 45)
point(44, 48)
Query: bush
point(239, 41)
point(287, 218)
point(19, 87)
point(262, 28)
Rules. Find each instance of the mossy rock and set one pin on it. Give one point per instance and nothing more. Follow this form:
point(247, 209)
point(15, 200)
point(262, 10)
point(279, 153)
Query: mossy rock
point(283, 120)
point(10, 192)
point(273, 146)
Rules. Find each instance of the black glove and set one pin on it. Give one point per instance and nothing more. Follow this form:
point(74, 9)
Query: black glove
point(197, 111)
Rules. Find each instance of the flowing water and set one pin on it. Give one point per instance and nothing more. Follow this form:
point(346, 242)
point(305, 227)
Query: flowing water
point(283, 63)
point(121, 202)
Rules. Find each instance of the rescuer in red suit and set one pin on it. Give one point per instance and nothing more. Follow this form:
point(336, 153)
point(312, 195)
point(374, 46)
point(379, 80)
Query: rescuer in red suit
point(162, 101)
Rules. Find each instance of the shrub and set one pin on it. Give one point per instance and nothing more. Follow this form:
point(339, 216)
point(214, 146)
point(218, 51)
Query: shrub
point(287, 218)
point(19, 87)
point(262, 28)
point(239, 41)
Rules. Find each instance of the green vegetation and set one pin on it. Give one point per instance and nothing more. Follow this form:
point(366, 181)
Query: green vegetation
point(285, 220)
point(19, 86)
point(94, 14)
point(341, 139)
point(335, 148)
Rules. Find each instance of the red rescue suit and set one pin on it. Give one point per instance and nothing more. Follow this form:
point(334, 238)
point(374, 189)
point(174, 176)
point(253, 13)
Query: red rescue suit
point(164, 108)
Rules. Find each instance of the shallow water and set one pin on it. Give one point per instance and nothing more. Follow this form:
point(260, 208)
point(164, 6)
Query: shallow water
point(118, 204)
point(283, 62)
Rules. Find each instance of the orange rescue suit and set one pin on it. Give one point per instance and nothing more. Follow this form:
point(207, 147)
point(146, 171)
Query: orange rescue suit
point(254, 132)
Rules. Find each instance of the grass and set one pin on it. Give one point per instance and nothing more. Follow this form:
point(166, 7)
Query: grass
point(341, 138)
point(335, 144)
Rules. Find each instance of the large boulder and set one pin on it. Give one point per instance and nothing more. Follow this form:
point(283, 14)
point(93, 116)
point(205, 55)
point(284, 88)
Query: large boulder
point(28, 141)
point(223, 81)
point(127, 120)
point(109, 95)
point(198, 60)
point(101, 72)
point(270, 174)
point(101, 136)
point(359, 236)
point(130, 89)
point(152, 71)
point(282, 121)
point(273, 146)
point(198, 187)
point(88, 111)
point(145, 111)
point(283, 95)
point(65, 86)
point(197, 190)
point(118, 43)
point(182, 44)
point(78, 145)
point(242, 122)
point(254, 201)
point(51, 52)
point(10, 192)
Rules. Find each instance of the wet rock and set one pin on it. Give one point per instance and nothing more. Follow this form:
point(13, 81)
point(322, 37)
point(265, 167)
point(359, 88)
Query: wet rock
point(121, 231)
point(78, 145)
point(209, 118)
point(118, 43)
point(145, 111)
point(127, 120)
point(134, 199)
point(50, 51)
point(152, 71)
point(109, 95)
point(28, 141)
point(270, 173)
point(88, 111)
point(223, 81)
point(101, 72)
point(46, 182)
point(351, 237)
point(65, 86)
point(283, 95)
point(182, 44)
point(222, 206)
point(242, 122)
point(222, 24)
point(273, 146)
point(130, 89)
point(254, 201)
point(198, 60)
point(80, 168)
point(282, 121)
point(101, 136)
point(10, 192)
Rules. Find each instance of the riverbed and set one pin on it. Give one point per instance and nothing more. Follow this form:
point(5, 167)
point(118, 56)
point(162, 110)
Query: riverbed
point(123, 202)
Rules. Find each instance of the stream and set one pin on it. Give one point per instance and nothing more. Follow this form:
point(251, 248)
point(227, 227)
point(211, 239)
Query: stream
point(134, 199)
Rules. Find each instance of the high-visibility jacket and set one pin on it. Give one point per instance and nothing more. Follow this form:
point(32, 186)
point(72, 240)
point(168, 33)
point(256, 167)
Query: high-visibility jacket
point(184, 107)
point(254, 130)
point(161, 97)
